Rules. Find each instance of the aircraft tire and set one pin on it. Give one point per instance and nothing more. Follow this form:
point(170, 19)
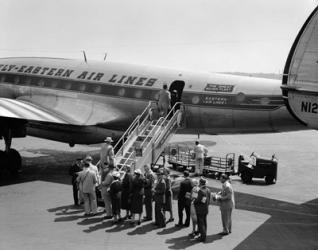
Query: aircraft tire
point(15, 162)
point(4, 166)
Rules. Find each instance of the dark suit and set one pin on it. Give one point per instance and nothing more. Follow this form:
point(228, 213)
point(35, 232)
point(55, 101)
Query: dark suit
point(159, 198)
point(201, 204)
point(184, 200)
point(73, 171)
point(149, 181)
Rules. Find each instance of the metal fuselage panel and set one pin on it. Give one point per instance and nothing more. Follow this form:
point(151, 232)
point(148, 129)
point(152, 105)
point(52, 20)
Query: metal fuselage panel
point(80, 92)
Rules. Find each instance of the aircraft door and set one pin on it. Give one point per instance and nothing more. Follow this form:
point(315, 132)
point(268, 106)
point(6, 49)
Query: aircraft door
point(176, 89)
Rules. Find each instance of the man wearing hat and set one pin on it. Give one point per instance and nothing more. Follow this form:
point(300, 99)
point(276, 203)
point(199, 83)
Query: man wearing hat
point(115, 194)
point(148, 186)
point(87, 178)
point(184, 199)
point(159, 198)
point(201, 204)
point(227, 203)
point(105, 185)
point(107, 152)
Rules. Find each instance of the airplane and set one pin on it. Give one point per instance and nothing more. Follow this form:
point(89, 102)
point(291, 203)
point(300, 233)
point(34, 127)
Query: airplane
point(80, 102)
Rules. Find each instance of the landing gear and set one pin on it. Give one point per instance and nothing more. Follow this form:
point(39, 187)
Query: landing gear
point(10, 159)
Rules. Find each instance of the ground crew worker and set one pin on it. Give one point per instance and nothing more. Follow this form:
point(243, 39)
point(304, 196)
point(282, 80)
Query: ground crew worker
point(148, 186)
point(201, 204)
point(227, 203)
point(74, 171)
point(200, 152)
point(159, 197)
point(87, 178)
point(107, 152)
point(164, 101)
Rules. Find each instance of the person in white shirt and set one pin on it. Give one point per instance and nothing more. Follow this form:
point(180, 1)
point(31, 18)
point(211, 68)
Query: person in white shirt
point(200, 152)
point(92, 167)
point(164, 101)
point(107, 155)
point(87, 180)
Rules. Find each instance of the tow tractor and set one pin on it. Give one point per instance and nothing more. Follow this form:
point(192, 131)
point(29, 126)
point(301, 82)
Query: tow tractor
point(254, 166)
point(182, 157)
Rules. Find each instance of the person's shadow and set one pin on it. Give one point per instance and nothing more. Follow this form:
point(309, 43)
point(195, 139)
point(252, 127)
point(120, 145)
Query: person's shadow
point(185, 241)
point(143, 229)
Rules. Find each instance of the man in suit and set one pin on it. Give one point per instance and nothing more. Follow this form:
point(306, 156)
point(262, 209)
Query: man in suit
point(87, 178)
point(74, 170)
point(201, 204)
point(184, 200)
point(148, 186)
point(159, 197)
point(227, 203)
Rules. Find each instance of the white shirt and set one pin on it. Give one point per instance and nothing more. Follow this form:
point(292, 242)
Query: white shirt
point(200, 151)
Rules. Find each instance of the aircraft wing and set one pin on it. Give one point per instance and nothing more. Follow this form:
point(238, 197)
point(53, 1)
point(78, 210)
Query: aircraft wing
point(61, 110)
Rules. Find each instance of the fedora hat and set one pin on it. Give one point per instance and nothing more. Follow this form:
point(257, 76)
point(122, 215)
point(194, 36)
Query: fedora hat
point(108, 139)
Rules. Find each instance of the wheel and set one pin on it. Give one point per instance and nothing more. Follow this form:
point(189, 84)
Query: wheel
point(15, 162)
point(246, 177)
point(4, 166)
point(270, 179)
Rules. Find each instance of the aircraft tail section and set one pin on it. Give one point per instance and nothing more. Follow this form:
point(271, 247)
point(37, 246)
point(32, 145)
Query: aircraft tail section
point(300, 80)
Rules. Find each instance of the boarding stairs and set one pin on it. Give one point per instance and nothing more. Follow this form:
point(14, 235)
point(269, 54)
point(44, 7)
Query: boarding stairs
point(145, 139)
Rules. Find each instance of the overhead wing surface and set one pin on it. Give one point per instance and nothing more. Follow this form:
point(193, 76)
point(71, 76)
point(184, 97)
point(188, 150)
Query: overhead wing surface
point(60, 110)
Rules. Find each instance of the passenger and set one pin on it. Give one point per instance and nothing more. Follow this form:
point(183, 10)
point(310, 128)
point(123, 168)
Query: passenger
point(74, 171)
point(184, 200)
point(126, 192)
point(87, 178)
point(137, 196)
point(227, 203)
point(159, 198)
point(174, 98)
point(164, 101)
point(168, 204)
point(107, 153)
point(194, 195)
point(200, 152)
point(115, 194)
point(201, 204)
point(92, 167)
point(105, 185)
point(148, 186)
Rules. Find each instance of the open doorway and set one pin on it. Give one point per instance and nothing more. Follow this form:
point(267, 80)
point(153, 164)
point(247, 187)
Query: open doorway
point(176, 89)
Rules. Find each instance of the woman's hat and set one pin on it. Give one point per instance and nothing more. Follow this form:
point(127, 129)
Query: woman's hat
point(116, 174)
point(137, 171)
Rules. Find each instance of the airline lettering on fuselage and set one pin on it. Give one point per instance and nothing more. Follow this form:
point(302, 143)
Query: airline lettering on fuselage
point(309, 107)
point(218, 87)
point(49, 71)
point(132, 80)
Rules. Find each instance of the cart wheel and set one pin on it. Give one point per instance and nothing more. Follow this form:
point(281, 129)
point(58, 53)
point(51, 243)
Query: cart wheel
point(246, 177)
point(174, 166)
point(270, 179)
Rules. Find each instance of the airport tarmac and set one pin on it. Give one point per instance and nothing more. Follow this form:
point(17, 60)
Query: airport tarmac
point(36, 211)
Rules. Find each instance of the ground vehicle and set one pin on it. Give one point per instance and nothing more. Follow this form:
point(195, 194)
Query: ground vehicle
point(255, 166)
point(182, 158)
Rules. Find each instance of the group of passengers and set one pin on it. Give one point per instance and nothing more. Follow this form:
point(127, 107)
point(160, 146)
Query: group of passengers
point(130, 192)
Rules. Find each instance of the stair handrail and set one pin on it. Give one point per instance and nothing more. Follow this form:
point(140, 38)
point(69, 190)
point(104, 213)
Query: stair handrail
point(132, 127)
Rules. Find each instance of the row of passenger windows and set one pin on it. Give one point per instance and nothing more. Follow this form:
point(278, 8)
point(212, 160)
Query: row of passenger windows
point(77, 86)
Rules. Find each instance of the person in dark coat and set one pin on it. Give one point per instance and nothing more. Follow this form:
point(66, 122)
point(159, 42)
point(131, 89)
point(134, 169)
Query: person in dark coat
point(201, 204)
point(159, 197)
point(115, 195)
point(126, 192)
point(73, 171)
point(184, 200)
point(148, 186)
point(137, 193)
point(168, 204)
